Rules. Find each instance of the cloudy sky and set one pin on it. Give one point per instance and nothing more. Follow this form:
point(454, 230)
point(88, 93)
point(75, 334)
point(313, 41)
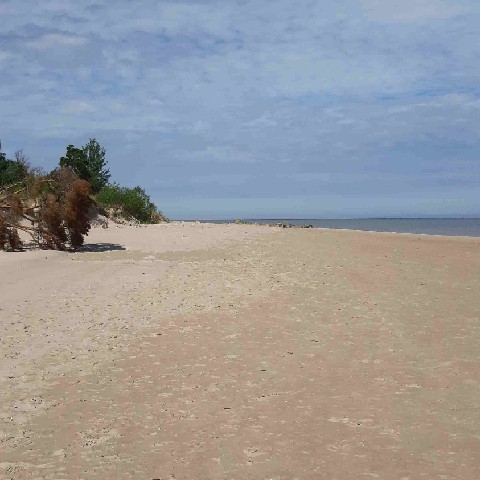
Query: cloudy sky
point(255, 108)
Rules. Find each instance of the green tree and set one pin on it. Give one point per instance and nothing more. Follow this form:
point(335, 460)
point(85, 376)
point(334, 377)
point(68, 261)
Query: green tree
point(97, 165)
point(88, 163)
point(13, 172)
point(76, 160)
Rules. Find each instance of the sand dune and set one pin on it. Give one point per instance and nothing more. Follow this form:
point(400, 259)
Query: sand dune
point(241, 352)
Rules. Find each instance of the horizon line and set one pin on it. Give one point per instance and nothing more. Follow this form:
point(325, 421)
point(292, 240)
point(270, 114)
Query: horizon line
point(451, 217)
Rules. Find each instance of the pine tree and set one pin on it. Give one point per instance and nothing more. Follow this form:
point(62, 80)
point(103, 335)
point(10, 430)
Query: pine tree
point(96, 165)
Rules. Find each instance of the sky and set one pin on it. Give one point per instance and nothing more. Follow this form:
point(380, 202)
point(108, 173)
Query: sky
point(255, 109)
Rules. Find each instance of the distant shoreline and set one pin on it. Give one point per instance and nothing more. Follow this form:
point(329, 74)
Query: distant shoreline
point(463, 227)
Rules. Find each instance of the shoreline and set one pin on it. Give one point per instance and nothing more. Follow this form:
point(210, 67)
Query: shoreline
point(440, 229)
point(209, 351)
point(329, 229)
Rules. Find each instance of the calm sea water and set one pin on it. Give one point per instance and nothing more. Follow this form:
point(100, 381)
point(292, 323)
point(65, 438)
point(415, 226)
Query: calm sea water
point(469, 227)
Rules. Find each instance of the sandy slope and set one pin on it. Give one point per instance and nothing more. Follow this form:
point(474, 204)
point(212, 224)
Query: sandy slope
point(237, 352)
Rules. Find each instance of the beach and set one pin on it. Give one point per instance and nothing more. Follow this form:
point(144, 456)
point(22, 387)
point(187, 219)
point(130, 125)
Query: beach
point(202, 351)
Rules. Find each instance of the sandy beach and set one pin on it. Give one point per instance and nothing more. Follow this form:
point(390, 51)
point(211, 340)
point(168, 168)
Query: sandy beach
point(201, 351)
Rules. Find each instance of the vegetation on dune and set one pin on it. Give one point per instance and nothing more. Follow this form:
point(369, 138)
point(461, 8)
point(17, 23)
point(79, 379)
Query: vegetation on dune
point(129, 203)
point(56, 208)
point(53, 209)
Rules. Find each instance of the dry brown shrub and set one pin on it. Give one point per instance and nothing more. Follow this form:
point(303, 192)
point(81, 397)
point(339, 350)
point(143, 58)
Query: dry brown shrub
point(11, 211)
point(4, 232)
point(78, 205)
point(58, 212)
point(50, 223)
point(9, 239)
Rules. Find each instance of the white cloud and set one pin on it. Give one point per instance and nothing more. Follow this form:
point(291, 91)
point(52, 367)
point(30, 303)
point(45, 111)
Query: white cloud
point(413, 10)
point(224, 180)
point(226, 154)
point(4, 56)
point(54, 39)
point(78, 107)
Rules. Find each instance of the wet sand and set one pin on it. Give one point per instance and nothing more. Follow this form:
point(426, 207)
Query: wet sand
point(241, 352)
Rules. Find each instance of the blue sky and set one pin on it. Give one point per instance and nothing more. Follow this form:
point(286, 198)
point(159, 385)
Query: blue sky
point(225, 109)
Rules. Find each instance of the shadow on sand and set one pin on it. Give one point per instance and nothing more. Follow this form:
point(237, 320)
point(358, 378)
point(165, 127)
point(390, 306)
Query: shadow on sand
point(100, 247)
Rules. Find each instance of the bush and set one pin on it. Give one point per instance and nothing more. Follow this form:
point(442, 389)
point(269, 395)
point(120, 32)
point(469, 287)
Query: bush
point(58, 212)
point(11, 210)
point(130, 203)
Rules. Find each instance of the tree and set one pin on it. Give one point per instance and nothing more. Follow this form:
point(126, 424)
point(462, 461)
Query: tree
point(13, 171)
point(97, 165)
point(88, 163)
point(76, 160)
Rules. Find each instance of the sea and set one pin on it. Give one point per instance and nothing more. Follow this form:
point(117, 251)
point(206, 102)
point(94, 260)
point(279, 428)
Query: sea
point(468, 227)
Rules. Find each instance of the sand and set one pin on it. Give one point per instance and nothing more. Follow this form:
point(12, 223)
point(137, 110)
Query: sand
point(196, 351)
